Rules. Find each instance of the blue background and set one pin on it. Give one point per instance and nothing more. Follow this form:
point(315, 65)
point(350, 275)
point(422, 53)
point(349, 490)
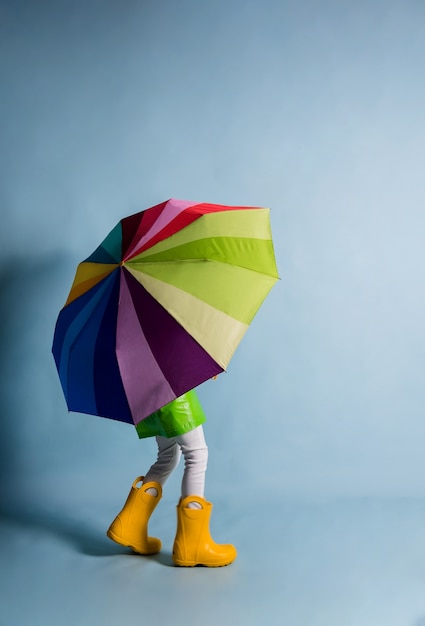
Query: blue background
point(316, 432)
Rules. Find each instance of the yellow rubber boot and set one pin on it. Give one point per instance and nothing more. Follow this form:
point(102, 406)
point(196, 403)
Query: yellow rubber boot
point(130, 527)
point(193, 544)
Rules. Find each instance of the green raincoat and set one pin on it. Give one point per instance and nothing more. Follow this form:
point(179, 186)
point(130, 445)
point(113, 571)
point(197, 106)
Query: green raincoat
point(176, 418)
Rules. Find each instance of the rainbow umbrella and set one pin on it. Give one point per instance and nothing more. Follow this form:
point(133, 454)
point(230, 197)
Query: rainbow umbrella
point(161, 306)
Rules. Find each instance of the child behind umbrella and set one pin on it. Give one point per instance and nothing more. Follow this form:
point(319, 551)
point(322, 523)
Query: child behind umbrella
point(178, 431)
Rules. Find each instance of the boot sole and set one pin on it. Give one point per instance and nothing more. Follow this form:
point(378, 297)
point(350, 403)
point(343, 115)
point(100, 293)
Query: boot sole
point(122, 542)
point(195, 564)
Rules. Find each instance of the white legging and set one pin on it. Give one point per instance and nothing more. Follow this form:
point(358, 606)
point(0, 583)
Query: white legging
point(195, 452)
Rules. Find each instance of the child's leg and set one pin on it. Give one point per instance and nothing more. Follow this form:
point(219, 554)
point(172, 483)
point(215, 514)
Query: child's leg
point(168, 458)
point(195, 452)
point(193, 544)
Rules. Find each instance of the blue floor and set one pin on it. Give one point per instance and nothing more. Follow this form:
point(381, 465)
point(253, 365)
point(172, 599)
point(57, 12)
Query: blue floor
point(342, 562)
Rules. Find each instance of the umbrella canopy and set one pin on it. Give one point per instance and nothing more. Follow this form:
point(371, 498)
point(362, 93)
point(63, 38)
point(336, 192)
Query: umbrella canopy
point(161, 306)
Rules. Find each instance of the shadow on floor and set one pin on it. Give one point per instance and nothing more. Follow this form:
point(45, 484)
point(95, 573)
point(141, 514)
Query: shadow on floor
point(76, 533)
